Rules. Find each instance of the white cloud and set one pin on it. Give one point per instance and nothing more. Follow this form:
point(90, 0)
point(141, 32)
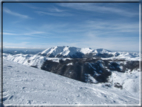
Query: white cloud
point(54, 13)
point(96, 7)
point(55, 9)
point(111, 26)
point(97, 27)
point(6, 33)
point(28, 33)
point(15, 14)
point(35, 34)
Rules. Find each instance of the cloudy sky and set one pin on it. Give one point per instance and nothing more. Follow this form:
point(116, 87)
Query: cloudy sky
point(113, 26)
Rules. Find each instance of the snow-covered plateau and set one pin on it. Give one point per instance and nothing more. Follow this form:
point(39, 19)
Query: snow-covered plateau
point(86, 76)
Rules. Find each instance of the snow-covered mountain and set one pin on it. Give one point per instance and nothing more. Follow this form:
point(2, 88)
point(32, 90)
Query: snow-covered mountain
point(115, 77)
point(67, 61)
point(82, 69)
point(66, 52)
point(74, 52)
point(23, 85)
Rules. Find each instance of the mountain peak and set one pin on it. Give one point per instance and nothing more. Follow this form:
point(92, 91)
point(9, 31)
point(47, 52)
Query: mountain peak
point(75, 52)
point(67, 51)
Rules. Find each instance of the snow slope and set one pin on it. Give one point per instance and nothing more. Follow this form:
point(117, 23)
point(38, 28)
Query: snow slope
point(27, 85)
point(29, 60)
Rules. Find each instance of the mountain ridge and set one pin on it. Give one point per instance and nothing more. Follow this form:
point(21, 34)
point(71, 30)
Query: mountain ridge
point(67, 61)
point(73, 52)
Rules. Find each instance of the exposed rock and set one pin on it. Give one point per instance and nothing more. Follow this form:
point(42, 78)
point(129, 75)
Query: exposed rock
point(83, 69)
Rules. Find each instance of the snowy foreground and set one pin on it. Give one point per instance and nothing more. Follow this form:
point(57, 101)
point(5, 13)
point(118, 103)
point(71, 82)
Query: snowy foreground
point(24, 85)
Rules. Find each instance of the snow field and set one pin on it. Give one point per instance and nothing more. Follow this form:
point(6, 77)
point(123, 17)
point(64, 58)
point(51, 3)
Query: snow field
point(27, 85)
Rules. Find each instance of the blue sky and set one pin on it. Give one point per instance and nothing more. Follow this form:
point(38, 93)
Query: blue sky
point(113, 26)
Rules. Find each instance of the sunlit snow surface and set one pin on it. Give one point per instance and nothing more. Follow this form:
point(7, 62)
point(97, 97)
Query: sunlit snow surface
point(27, 85)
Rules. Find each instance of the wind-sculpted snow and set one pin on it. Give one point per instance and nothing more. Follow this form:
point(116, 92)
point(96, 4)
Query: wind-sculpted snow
point(27, 85)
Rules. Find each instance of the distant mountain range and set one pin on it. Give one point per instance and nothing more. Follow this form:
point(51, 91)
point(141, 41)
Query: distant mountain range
point(60, 52)
point(14, 51)
point(83, 64)
point(74, 52)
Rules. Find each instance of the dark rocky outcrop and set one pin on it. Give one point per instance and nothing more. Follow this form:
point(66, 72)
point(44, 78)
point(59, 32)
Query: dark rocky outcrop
point(117, 85)
point(79, 68)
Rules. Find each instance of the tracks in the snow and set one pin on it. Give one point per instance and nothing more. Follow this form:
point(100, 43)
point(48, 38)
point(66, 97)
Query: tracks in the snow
point(6, 96)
